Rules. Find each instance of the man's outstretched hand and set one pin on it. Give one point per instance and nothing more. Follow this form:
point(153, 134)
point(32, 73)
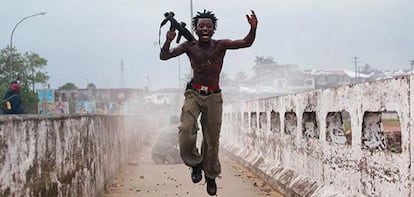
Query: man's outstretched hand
point(252, 19)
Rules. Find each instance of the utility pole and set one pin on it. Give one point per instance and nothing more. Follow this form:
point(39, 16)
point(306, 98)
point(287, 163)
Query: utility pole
point(356, 68)
point(412, 65)
point(179, 72)
point(191, 15)
point(191, 25)
point(122, 77)
point(149, 83)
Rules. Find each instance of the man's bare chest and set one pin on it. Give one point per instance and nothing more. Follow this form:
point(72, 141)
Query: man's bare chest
point(204, 54)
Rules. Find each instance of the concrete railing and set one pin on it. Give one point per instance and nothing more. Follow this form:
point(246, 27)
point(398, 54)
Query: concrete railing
point(348, 141)
point(65, 155)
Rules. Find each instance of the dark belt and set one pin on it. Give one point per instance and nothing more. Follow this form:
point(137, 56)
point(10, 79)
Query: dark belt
point(204, 90)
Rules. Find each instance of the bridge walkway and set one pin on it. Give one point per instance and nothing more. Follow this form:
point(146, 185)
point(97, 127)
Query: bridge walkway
point(142, 177)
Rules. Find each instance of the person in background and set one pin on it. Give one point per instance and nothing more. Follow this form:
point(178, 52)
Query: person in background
point(165, 149)
point(12, 100)
point(203, 93)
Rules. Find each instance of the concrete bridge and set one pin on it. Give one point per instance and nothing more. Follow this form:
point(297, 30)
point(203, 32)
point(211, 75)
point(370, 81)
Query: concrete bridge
point(348, 141)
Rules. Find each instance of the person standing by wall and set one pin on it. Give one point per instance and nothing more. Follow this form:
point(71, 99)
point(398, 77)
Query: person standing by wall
point(203, 94)
point(12, 100)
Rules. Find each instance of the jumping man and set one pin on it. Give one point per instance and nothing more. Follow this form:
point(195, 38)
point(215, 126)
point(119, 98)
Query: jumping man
point(203, 94)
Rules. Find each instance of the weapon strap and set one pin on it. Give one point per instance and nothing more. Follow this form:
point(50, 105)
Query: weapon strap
point(8, 98)
point(159, 32)
point(159, 37)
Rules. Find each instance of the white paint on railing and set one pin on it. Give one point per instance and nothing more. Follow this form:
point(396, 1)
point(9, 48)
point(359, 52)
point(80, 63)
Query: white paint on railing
point(312, 154)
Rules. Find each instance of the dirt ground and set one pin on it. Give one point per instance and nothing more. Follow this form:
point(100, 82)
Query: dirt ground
point(142, 177)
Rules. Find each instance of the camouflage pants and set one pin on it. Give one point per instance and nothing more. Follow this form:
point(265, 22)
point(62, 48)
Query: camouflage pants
point(210, 107)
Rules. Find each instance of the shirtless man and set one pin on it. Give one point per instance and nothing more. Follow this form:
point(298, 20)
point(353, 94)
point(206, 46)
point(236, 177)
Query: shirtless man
point(203, 94)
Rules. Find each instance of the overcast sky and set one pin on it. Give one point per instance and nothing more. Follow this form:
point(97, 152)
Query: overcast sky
point(86, 40)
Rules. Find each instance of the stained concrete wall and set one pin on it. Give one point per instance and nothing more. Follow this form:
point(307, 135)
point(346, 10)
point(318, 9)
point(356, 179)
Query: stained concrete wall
point(300, 145)
point(65, 155)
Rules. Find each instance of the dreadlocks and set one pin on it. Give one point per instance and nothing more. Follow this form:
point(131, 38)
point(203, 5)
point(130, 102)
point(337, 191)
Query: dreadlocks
point(205, 14)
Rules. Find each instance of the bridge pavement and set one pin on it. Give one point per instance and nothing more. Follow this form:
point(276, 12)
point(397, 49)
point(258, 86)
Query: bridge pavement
point(142, 177)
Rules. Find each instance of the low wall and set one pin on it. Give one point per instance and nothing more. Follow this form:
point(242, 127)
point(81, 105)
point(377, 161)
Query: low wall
point(342, 141)
point(65, 155)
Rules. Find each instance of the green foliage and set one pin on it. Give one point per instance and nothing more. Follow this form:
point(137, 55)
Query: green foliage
point(29, 101)
point(347, 125)
point(28, 69)
point(225, 79)
point(68, 86)
point(241, 77)
point(260, 60)
point(91, 86)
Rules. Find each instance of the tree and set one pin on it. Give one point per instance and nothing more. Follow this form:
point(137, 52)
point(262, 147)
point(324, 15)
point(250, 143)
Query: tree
point(91, 86)
point(367, 69)
point(260, 60)
point(241, 77)
point(225, 79)
point(28, 69)
point(68, 86)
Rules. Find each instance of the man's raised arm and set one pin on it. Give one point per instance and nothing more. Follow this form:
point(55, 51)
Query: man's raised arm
point(249, 39)
point(165, 53)
point(252, 19)
point(165, 50)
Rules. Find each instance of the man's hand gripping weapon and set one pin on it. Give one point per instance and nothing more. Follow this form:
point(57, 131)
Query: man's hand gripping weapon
point(174, 25)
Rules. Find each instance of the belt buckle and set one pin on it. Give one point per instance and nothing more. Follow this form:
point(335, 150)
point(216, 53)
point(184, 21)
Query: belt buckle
point(203, 90)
